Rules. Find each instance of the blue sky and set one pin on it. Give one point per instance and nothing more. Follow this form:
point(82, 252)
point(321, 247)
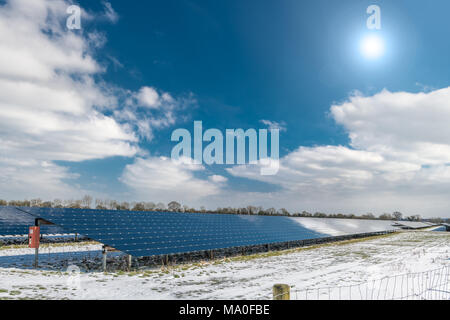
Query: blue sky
point(287, 61)
point(232, 64)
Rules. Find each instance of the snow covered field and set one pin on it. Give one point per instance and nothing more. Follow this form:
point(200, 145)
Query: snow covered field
point(249, 277)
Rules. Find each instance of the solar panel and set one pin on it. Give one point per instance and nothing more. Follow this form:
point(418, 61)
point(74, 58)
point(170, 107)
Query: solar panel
point(155, 233)
point(339, 227)
point(14, 222)
point(413, 224)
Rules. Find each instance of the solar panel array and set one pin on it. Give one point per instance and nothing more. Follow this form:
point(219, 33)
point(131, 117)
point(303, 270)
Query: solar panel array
point(155, 233)
point(413, 224)
point(339, 227)
point(14, 222)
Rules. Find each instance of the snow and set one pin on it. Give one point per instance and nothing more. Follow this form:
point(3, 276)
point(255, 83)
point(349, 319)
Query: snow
point(245, 277)
point(339, 227)
point(412, 224)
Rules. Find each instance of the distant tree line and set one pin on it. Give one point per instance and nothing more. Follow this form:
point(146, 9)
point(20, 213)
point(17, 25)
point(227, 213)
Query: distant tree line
point(87, 202)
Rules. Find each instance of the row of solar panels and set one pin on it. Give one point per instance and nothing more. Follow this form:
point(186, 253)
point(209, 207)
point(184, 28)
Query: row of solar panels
point(155, 233)
point(15, 222)
point(413, 224)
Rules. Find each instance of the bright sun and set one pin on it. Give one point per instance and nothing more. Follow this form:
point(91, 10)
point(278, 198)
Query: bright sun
point(372, 47)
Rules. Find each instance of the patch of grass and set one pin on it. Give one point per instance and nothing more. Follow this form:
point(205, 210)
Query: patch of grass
point(361, 254)
point(50, 245)
point(15, 292)
point(14, 246)
point(3, 290)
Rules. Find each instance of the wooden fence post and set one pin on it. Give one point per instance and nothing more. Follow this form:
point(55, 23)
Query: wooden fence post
point(281, 292)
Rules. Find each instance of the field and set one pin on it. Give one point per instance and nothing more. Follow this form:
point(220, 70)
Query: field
point(243, 277)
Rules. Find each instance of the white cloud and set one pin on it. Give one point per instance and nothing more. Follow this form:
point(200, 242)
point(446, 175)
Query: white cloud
point(218, 179)
point(148, 97)
point(49, 102)
point(384, 169)
point(331, 169)
point(274, 125)
point(161, 179)
point(53, 105)
point(148, 110)
point(110, 13)
point(412, 127)
point(34, 179)
point(399, 155)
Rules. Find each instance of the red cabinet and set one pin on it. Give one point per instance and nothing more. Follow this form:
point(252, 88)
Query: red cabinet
point(33, 237)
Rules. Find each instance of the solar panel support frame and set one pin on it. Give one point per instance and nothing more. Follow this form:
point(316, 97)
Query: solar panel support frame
point(104, 254)
point(129, 262)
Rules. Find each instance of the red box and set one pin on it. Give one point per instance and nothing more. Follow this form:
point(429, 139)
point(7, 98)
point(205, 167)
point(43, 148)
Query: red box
point(33, 237)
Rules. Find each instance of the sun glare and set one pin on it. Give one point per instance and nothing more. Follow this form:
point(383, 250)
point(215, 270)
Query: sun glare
point(372, 47)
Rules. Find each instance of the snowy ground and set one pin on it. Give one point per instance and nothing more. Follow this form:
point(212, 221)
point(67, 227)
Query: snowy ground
point(249, 277)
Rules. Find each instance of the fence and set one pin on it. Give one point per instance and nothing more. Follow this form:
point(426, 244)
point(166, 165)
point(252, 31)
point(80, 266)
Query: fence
point(56, 252)
point(429, 285)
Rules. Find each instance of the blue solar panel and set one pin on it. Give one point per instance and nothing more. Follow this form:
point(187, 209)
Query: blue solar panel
point(14, 222)
point(155, 233)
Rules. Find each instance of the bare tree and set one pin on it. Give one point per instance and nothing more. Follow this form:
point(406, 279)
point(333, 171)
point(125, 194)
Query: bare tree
point(114, 205)
point(305, 214)
point(149, 206)
point(251, 210)
point(100, 204)
point(35, 202)
point(76, 204)
point(368, 216)
point(124, 206)
point(319, 215)
point(86, 202)
point(386, 216)
point(414, 218)
point(46, 204)
point(160, 206)
point(174, 206)
point(436, 220)
point(57, 203)
point(139, 206)
point(397, 215)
